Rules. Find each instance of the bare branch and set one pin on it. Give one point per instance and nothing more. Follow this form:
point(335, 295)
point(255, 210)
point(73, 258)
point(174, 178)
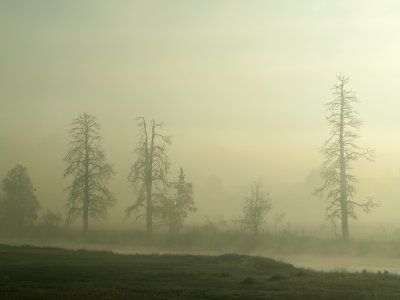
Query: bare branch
point(86, 161)
point(340, 150)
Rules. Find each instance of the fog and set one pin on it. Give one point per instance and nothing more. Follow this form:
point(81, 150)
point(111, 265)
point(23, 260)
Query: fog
point(241, 88)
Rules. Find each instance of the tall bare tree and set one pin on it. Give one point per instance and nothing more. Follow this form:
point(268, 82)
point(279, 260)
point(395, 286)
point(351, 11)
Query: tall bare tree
point(340, 150)
point(149, 172)
point(255, 208)
point(86, 161)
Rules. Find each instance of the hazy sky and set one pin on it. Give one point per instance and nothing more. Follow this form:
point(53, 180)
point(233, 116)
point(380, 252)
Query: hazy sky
point(240, 85)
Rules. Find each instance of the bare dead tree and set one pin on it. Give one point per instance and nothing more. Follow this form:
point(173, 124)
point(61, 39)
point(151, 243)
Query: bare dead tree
point(340, 150)
point(148, 174)
point(86, 161)
point(255, 208)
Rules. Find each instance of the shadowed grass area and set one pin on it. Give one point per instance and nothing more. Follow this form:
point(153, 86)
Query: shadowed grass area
point(53, 273)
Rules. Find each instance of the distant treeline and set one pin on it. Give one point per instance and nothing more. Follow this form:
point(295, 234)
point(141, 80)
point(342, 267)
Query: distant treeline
point(165, 201)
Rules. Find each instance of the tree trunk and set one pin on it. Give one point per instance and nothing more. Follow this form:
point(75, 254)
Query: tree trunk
point(149, 204)
point(86, 195)
point(173, 226)
point(342, 167)
point(86, 206)
point(149, 210)
point(256, 211)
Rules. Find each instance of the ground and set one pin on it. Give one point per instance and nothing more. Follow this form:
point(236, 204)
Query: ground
point(52, 273)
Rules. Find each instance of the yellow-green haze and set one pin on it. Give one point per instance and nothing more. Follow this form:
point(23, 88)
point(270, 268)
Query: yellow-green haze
point(240, 85)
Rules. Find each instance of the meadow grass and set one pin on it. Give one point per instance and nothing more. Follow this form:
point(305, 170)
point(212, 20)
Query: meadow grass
point(52, 273)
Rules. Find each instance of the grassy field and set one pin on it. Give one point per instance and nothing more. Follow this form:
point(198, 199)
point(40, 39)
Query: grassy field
point(52, 273)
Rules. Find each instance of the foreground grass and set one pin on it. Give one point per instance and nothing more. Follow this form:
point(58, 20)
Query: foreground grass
point(51, 273)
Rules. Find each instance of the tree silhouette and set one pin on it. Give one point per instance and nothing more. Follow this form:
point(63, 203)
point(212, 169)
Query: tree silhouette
point(149, 172)
point(51, 219)
point(86, 161)
point(255, 208)
point(340, 150)
point(19, 205)
point(278, 218)
point(174, 209)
